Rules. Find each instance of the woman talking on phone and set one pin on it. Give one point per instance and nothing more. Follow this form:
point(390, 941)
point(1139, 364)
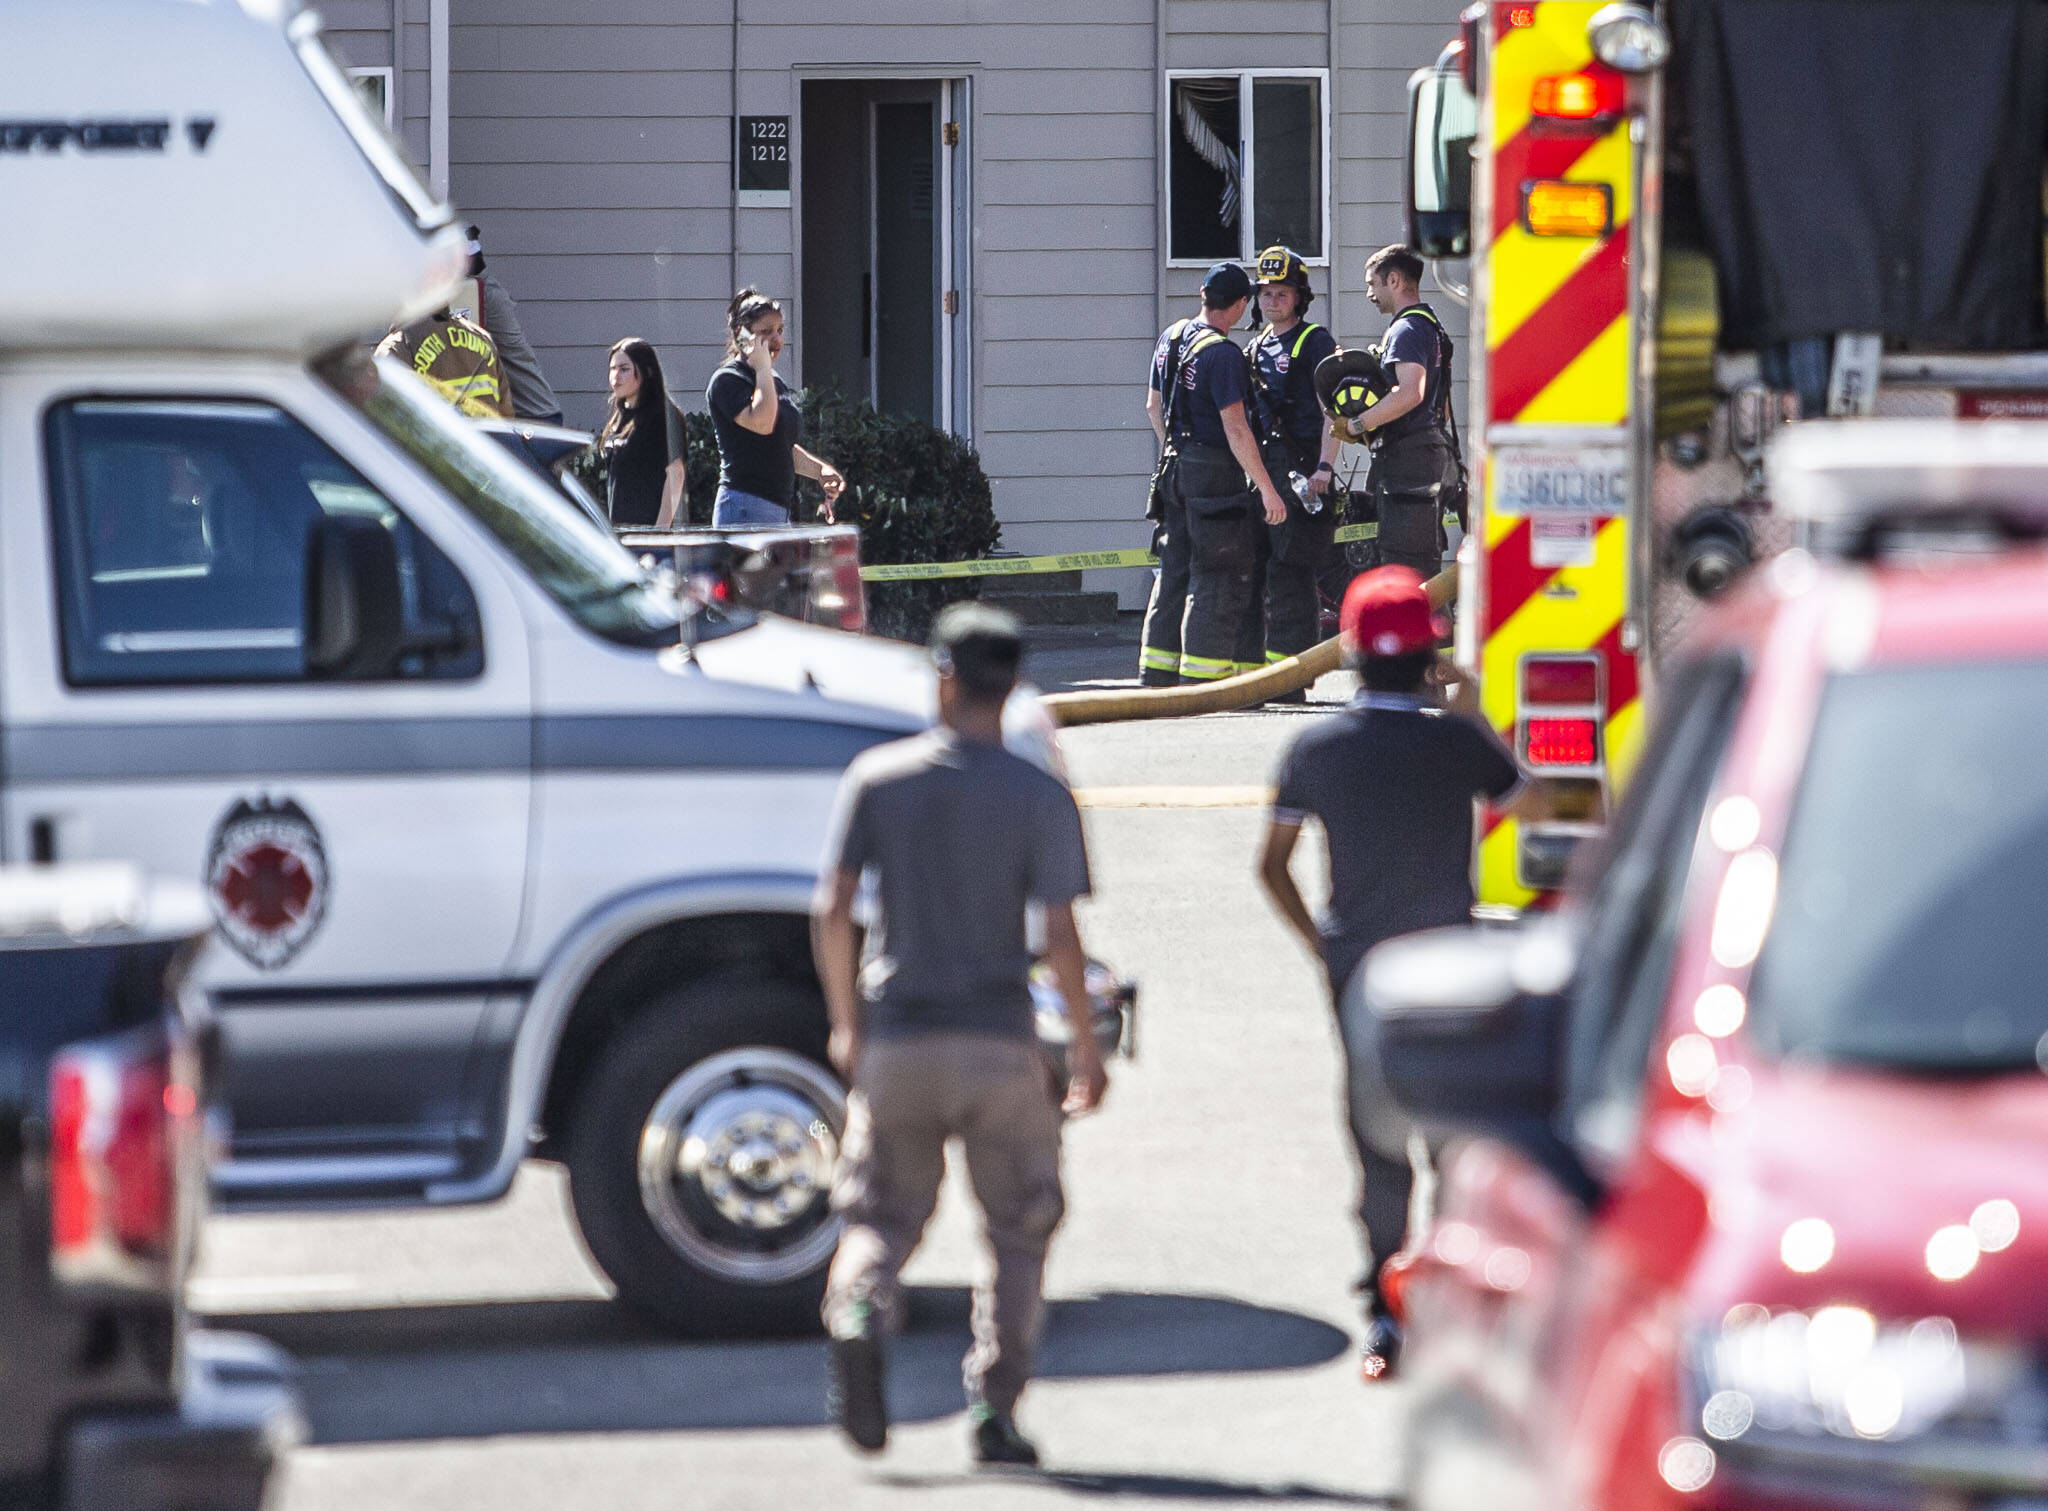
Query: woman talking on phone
point(758, 424)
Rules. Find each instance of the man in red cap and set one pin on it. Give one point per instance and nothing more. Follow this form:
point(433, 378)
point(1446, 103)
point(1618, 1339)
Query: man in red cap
point(1392, 780)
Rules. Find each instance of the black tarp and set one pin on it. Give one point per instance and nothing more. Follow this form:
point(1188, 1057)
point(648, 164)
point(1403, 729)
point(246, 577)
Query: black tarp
point(1870, 165)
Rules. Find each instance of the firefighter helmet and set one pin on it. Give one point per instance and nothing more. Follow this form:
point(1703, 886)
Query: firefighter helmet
point(1351, 382)
point(1279, 264)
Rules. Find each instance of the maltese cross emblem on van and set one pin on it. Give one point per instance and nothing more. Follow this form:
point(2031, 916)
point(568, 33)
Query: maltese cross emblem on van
point(267, 875)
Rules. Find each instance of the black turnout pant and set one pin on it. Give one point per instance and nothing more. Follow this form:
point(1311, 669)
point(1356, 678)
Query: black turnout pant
point(1287, 611)
point(1207, 546)
point(1407, 481)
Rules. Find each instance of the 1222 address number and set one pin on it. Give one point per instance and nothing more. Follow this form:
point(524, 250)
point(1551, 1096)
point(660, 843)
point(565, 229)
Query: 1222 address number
point(1567, 480)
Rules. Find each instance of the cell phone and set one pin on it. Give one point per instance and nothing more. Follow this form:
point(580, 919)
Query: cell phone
point(746, 342)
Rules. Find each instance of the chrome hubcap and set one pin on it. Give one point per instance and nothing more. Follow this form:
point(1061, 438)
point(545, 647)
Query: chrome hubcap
point(736, 1163)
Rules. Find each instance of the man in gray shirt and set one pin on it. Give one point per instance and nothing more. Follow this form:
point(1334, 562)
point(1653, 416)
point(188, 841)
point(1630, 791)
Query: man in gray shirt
point(532, 398)
point(934, 1031)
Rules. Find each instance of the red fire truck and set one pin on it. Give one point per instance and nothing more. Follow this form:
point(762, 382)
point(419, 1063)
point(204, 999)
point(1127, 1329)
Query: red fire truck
point(1682, 227)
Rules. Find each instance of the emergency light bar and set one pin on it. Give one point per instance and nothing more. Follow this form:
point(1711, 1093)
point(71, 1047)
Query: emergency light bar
point(1839, 478)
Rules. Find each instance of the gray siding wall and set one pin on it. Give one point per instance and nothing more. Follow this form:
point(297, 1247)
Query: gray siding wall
point(360, 31)
point(592, 142)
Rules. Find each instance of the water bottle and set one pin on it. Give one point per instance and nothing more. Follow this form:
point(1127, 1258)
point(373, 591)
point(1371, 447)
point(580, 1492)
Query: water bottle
point(1311, 501)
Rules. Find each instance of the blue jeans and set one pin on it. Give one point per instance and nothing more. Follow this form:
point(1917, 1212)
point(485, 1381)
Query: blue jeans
point(733, 507)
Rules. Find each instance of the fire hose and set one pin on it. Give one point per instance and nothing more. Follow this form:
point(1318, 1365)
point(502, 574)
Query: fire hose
point(1111, 705)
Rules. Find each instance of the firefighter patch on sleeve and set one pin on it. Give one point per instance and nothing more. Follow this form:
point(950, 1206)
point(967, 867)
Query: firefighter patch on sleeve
point(266, 874)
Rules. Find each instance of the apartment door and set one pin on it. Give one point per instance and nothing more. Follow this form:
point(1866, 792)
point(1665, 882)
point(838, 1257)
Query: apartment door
point(884, 206)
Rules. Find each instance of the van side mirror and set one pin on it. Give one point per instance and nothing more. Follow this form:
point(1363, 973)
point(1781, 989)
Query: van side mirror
point(1471, 1034)
point(355, 600)
point(1443, 123)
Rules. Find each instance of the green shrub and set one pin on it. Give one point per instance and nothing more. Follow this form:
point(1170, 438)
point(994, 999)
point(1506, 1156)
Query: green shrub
point(701, 469)
point(917, 492)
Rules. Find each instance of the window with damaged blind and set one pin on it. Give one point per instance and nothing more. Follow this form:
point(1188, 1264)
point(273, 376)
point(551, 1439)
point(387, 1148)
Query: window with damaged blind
point(1247, 164)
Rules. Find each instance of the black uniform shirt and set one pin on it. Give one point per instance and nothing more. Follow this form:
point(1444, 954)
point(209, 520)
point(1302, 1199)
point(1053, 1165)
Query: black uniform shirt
point(763, 465)
point(1213, 376)
point(1284, 369)
point(1392, 781)
point(1415, 336)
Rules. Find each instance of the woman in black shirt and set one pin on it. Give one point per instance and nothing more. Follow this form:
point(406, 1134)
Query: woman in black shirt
point(758, 423)
point(643, 444)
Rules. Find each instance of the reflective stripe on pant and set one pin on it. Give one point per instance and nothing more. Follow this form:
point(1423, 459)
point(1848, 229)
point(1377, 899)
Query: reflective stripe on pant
point(910, 1096)
point(1206, 668)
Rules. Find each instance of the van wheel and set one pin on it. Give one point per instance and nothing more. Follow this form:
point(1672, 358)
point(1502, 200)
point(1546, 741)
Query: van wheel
point(700, 1155)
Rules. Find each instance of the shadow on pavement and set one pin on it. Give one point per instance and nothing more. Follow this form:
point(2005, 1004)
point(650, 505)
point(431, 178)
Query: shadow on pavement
point(416, 1373)
point(1111, 1485)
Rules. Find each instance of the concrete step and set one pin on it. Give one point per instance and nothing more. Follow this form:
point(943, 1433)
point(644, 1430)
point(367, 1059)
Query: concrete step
point(1030, 584)
point(1057, 608)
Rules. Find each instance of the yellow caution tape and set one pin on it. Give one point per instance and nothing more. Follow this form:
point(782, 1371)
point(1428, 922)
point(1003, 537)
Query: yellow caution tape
point(1006, 566)
point(1071, 561)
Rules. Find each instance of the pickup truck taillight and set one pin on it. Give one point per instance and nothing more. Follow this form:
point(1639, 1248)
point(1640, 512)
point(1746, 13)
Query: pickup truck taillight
point(837, 596)
point(120, 1112)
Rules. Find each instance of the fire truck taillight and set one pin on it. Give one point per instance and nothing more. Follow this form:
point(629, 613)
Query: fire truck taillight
point(1548, 742)
point(1560, 680)
point(1515, 17)
point(1589, 98)
point(1559, 207)
point(1559, 712)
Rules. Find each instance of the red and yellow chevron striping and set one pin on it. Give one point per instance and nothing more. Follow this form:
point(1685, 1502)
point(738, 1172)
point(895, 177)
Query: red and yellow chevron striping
point(1557, 356)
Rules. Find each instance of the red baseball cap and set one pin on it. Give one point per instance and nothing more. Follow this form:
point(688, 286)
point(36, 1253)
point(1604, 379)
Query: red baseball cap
point(1386, 613)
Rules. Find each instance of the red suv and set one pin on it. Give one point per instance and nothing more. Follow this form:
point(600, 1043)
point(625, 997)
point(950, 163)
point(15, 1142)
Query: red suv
point(1750, 1206)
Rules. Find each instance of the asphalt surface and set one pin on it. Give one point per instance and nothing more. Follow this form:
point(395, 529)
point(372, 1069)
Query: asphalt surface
point(1199, 1347)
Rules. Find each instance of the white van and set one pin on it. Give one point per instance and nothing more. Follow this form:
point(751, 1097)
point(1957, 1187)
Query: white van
point(500, 867)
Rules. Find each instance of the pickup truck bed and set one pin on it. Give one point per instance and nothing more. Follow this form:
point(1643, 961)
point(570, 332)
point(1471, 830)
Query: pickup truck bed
point(109, 1403)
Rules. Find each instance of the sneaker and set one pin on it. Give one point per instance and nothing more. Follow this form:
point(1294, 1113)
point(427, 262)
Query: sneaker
point(1381, 1351)
point(855, 1391)
point(997, 1440)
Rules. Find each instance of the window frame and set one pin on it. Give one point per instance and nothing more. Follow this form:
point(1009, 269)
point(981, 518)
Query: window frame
point(388, 74)
point(60, 474)
point(1248, 149)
